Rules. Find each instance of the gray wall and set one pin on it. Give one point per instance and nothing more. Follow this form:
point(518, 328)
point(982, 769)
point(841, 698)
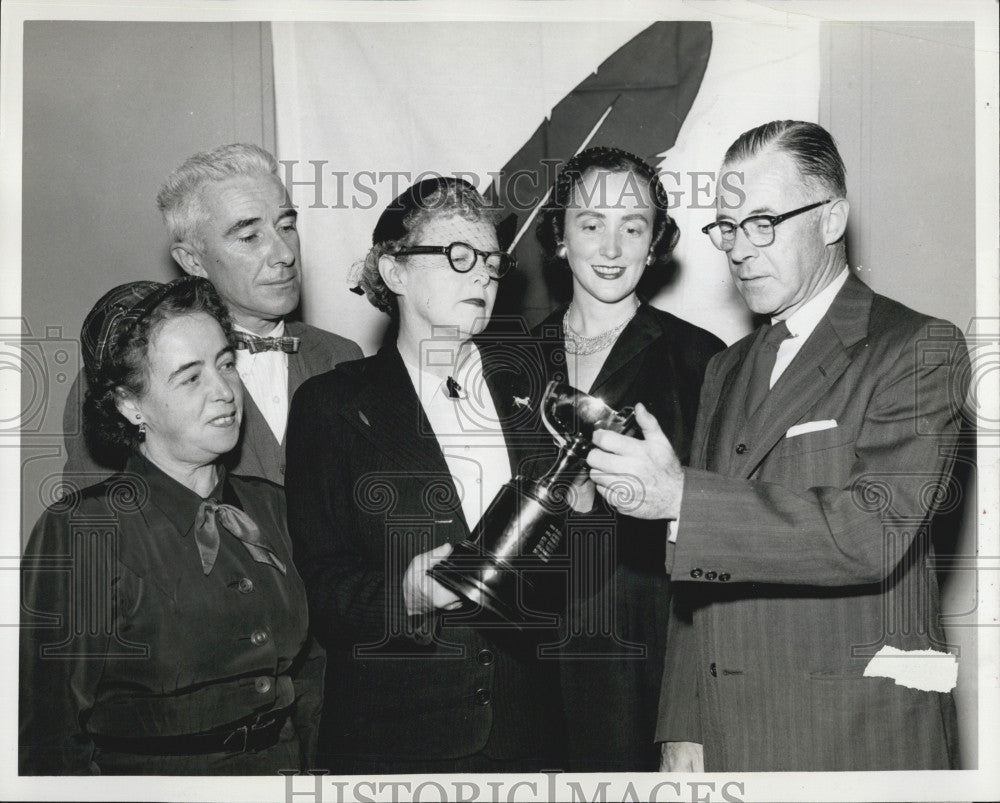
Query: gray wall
point(899, 99)
point(109, 109)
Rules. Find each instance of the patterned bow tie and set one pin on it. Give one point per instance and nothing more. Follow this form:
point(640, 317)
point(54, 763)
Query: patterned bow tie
point(255, 344)
point(213, 513)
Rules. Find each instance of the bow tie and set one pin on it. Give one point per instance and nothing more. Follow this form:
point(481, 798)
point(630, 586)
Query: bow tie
point(213, 513)
point(254, 344)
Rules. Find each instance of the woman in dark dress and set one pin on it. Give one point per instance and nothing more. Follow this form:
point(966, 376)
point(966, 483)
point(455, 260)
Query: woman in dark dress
point(607, 224)
point(164, 627)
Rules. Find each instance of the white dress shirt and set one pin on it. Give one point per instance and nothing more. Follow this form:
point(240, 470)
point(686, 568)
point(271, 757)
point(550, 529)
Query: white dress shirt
point(265, 377)
point(467, 430)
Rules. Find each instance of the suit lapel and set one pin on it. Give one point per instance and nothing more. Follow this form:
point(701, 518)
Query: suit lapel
point(509, 381)
point(813, 371)
point(624, 361)
point(388, 413)
point(256, 431)
point(502, 392)
point(302, 364)
point(728, 419)
point(811, 374)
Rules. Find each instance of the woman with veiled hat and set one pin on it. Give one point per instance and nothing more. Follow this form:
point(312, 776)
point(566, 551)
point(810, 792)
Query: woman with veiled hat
point(391, 460)
point(164, 628)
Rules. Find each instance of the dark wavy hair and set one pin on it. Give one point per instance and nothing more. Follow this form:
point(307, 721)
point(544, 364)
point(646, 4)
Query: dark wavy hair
point(551, 222)
point(110, 436)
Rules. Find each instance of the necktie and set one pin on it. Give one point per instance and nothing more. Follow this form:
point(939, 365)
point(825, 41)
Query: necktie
point(763, 366)
point(255, 344)
point(454, 389)
point(213, 513)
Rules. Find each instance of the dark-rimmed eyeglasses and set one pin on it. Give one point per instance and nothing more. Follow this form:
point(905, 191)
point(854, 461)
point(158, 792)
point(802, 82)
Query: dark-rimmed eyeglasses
point(463, 257)
point(759, 229)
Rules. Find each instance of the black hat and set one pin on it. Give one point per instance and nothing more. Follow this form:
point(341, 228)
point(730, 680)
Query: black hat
point(116, 312)
point(391, 225)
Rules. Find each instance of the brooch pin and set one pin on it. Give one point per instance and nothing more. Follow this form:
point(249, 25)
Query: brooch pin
point(524, 402)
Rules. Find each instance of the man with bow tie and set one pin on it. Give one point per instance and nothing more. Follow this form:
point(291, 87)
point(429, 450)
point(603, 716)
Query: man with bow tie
point(231, 222)
point(799, 538)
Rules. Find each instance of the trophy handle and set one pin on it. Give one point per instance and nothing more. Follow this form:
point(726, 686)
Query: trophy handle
point(628, 425)
point(550, 389)
point(569, 465)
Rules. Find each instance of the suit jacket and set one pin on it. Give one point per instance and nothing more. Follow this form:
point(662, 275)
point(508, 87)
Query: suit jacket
point(258, 453)
point(799, 557)
point(368, 489)
point(611, 700)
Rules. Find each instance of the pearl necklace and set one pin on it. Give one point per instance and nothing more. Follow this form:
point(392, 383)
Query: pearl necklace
point(582, 346)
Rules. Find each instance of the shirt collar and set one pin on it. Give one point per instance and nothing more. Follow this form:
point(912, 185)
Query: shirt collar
point(802, 322)
point(176, 502)
point(428, 384)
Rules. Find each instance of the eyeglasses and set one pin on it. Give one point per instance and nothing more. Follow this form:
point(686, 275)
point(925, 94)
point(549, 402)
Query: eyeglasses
point(759, 229)
point(463, 257)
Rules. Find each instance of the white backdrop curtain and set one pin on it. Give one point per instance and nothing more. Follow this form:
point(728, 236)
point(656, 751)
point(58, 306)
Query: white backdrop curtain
point(367, 100)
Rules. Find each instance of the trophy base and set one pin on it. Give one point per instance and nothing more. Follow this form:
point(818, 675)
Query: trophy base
point(493, 570)
point(488, 604)
point(493, 594)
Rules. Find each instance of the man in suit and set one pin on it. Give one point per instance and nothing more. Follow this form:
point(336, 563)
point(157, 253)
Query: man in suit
point(799, 537)
point(231, 222)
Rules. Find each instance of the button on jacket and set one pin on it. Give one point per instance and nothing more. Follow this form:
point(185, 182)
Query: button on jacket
point(124, 637)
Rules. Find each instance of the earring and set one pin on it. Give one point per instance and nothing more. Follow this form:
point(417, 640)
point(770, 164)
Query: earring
point(650, 259)
point(562, 251)
point(142, 430)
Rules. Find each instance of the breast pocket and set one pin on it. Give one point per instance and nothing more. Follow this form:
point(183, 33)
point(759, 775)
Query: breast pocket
point(813, 459)
point(816, 441)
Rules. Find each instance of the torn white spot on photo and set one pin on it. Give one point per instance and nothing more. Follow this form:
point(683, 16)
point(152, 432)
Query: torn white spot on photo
point(927, 670)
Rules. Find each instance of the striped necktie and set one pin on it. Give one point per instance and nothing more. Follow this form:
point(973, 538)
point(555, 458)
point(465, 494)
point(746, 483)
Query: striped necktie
point(763, 366)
